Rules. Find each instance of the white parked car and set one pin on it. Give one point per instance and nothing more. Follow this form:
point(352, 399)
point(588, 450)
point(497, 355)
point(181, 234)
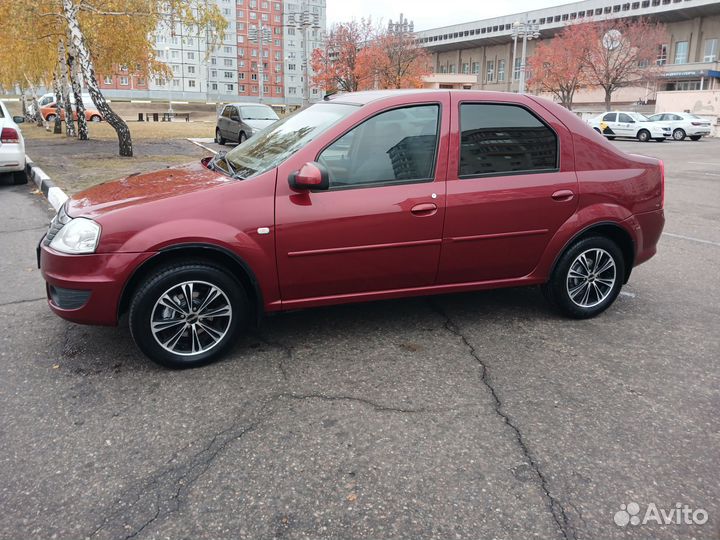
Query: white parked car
point(684, 125)
point(49, 98)
point(12, 146)
point(630, 124)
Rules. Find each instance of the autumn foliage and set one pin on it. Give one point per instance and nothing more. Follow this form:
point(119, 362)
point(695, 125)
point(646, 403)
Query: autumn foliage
point(609, 54)
point(357, 56)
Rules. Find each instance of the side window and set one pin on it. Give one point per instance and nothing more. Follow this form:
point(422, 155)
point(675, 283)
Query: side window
point(397, 146)
point(498, 139)
point(675, 117)
point(610, 117)
point(226, 111)
point(625, 118)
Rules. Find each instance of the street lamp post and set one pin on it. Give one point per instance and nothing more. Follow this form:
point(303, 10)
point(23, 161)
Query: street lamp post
point(170, 109)
point(303, 20)
point(528, 31)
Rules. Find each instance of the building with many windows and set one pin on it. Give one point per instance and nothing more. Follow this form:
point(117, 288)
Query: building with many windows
point(480, 54)
point(263, 56)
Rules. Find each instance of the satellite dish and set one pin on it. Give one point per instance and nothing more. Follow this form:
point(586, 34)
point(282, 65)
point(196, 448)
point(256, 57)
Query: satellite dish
point(612, 39)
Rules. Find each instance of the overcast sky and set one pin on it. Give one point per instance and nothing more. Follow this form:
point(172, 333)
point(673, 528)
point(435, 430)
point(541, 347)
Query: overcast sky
point(430, 13)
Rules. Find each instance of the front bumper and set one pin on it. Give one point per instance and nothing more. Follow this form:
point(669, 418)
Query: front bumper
point(86, 289)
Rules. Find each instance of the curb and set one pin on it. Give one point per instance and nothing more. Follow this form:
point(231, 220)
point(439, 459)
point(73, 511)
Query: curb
point(55, 196)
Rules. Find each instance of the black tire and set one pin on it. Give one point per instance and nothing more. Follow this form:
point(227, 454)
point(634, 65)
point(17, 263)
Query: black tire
point(145, 308)
point(95, 118)
point(660, 139)
point(643, 135)
point(695, 137)
point(679, 134)
point(557, 289)
point(50, 118)
point(219, 138)
point(19, 177)
point(242, 138)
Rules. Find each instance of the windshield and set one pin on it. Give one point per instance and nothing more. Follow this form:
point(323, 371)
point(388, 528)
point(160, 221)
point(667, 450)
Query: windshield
point(640, 117)
point(279, 141)
point(257, 112)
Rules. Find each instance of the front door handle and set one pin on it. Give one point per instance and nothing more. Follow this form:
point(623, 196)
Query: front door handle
point(424, 209)
point(563, 195)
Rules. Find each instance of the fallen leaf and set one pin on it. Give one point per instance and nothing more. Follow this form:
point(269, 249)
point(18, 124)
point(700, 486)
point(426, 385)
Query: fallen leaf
point(56, 366)
point(352, 497)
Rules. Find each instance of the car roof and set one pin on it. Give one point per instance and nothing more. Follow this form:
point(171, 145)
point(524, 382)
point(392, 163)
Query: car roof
point(246, 104)
point(369, 96)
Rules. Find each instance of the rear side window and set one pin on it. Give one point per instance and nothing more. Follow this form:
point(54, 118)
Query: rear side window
point(610, 117)
point(504, 139)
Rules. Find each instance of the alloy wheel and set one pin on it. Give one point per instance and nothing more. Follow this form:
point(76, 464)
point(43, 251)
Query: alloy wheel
point(591, 277)
point(191, 318)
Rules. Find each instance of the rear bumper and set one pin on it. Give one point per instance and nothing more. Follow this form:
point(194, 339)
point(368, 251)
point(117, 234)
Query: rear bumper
point(12, 157)
point(648, 227)
point(86, 289)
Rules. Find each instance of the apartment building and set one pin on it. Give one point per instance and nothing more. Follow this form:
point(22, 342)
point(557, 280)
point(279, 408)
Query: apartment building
point(479, 54)
point(261, 57)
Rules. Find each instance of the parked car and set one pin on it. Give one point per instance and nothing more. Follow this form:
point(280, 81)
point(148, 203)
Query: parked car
point(48, 113)
point(12, 146)
point(240, 121)
point(49, 98)
point(684, 125)
point(366, 196)
point(630, 124)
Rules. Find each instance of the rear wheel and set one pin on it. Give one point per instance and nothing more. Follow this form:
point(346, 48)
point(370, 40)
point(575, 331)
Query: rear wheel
point(587, 279)
point(643, 135)
point(695, 137)
point(50, 118)
point(219, 138)
point(19, 177)
point(95, 118)
point(188, 314)
point(679, 134)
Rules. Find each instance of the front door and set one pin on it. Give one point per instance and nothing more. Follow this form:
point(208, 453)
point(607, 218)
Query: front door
point(510, 186)
point(379, 225)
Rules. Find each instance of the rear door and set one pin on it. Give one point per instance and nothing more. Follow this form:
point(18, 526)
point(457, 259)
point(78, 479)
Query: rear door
point(511, 184)
point(379, 226)
point(607, 124)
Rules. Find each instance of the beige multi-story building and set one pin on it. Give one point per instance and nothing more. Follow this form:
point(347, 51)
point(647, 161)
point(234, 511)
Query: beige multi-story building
point(480, 54)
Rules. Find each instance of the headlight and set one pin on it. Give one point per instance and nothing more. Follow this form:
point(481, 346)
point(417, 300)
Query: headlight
point(79, 235)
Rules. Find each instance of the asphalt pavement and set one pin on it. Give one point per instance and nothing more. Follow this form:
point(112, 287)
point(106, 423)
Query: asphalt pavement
point(468, 416)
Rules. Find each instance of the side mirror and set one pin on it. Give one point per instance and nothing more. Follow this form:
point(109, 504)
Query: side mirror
point(311, 176)
point(18, 119)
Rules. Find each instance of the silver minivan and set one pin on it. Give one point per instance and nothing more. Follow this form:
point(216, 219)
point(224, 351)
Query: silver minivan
point(238, 122)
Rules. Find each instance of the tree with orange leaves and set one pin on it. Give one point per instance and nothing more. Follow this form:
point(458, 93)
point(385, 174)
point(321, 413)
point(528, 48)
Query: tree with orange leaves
point(559, 66)
point(395, 60)
point(337, 65)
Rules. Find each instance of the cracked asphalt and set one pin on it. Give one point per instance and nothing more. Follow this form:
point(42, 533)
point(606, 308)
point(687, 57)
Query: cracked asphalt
point(468, 416)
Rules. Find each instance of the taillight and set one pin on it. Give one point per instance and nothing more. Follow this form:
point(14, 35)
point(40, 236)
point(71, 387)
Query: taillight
point(9, 135)
point(699, 123)
point(662, 184)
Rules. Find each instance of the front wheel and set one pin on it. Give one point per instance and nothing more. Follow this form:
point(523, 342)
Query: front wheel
point(643, 135)
point(95, 118)
point(587, 278)
point(50, 118)
point(188, 314)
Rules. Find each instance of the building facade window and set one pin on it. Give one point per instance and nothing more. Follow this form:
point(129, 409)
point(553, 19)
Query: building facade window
point(490, 74)
point(501, 70)
point(662, 54)
point(516, 70)
point(711, 50)
point(124, 81)
point(452, 68)
point(465, 68)
point(681, 52)
point(476, 68)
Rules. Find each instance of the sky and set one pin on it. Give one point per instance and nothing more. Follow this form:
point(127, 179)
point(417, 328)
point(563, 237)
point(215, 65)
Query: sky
point(430, 13)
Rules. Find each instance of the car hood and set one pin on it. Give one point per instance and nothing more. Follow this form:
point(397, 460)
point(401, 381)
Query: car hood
point(259, 124)
point(138, 189)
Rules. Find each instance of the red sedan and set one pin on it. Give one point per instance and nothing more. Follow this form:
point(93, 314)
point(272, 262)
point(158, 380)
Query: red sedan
point(365, 196)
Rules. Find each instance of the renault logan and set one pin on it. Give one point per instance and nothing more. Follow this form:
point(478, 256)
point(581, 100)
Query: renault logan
point(365, 196)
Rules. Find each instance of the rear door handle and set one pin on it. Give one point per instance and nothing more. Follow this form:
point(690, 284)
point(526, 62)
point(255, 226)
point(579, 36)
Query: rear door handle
point(563, 195)
point(424, 209)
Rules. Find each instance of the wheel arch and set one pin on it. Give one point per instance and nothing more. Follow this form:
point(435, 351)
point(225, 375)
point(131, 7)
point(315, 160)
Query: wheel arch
point(607, 229)
point(202, 252)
